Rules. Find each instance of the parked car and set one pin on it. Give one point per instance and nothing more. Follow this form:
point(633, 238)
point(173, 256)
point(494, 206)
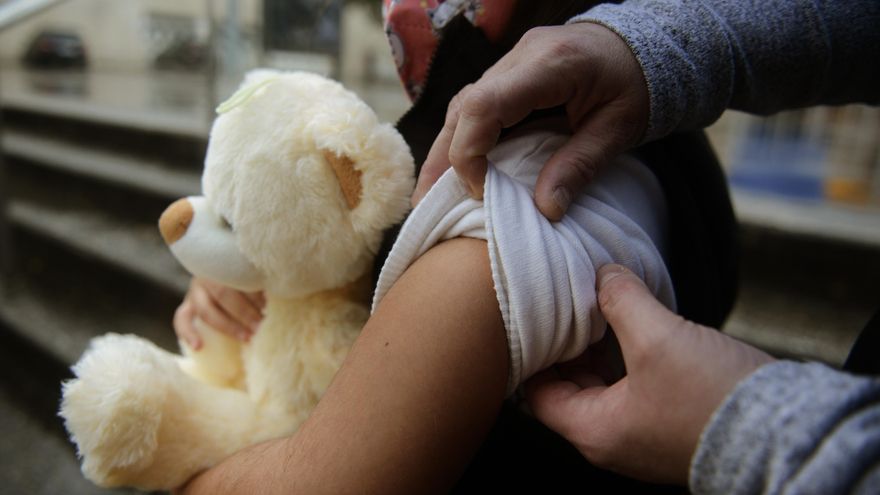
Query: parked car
point(56, 50)
point(183, 54)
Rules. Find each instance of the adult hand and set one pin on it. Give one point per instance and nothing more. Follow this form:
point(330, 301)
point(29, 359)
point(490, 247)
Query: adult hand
point(585, 67)
point(648, 423)
point(228, 310)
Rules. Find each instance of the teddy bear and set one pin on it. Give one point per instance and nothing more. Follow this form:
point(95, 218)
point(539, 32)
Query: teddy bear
point(300, 181)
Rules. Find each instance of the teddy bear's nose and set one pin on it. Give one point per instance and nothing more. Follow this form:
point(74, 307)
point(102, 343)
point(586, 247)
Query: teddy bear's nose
point(175, 220)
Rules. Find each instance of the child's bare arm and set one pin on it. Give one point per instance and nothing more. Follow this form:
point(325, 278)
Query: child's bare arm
point(416, 396)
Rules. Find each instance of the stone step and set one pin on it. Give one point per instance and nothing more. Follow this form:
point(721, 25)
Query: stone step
point(63, 330)
point(804, 296)
point(150, 176)
point(796, 327)
point(166, 102)
point(850, 224)
point(37, 456)
point(58, 300)
point(172, 150)
point(151, 101)
point(135, 248)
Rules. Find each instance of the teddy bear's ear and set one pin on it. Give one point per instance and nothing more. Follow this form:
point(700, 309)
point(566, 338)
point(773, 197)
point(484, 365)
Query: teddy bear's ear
point(349, 177)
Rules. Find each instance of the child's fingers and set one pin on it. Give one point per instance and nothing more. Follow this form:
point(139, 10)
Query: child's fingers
point(235, 305)
point(210, 312)
point(184, 325)
point(241, 308)
point(257, 298)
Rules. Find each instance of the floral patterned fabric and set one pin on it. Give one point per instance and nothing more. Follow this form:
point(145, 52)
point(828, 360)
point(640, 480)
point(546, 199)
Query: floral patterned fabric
point(414, 27)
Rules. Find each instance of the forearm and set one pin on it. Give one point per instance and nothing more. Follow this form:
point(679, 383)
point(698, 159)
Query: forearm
point(700, 57)
point(792, 428)
point(414, 399)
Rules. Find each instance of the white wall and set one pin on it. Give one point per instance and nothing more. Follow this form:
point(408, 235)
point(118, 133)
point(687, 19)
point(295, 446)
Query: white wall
point(365, 54)
point(117, 36)
point(116, 32)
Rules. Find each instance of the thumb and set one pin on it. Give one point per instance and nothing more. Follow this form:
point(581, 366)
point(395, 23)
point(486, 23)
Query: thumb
point(601, 136)
point(637, 317)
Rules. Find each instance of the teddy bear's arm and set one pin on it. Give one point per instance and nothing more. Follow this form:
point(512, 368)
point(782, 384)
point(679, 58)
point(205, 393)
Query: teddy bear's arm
point(413, 401)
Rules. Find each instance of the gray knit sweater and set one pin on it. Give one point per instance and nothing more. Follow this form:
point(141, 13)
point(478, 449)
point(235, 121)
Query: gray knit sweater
point(703, 56)
point(793, 428)
point(789, 427)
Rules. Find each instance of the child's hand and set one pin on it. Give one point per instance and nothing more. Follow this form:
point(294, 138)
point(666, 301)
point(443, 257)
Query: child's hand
point(228, 310)
point(647, 424)
point(585, 67)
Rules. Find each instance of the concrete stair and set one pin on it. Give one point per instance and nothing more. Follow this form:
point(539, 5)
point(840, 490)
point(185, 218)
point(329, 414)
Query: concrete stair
point(804, 296)
point(83, 192)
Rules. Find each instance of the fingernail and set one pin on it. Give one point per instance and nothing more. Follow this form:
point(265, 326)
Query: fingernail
point(243, 336)
point(466, 185)
point(476, 189)
point(470, 190)
point(609, 272)
point(562, 198)
point(476, 192)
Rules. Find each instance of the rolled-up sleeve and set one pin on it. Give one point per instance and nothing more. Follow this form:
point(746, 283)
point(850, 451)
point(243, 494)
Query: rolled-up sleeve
point(544, 272)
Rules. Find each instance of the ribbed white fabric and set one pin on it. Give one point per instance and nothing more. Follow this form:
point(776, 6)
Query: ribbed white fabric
point(544, 273)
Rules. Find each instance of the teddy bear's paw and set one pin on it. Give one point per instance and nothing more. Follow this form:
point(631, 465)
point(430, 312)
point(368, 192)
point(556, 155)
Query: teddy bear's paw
point(113, 408)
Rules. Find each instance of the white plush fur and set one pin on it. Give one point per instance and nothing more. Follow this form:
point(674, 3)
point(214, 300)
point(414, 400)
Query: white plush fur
point(273, 217)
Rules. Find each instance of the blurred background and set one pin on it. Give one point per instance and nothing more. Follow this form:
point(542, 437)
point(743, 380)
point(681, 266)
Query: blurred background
point(105, 107)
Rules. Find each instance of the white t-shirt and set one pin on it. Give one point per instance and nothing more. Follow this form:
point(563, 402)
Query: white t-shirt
point(544, 273)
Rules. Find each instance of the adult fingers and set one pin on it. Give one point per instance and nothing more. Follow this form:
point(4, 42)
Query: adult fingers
point(437, 161)
point(496, 103)
point(580, 374)
point(562, 405)
point(636, 316)
point(184, 325)
point(603, 134)
point(605, 359)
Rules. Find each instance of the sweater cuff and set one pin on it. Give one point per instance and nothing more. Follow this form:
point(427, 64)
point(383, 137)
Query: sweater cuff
point(771, 424)
point(675, 58)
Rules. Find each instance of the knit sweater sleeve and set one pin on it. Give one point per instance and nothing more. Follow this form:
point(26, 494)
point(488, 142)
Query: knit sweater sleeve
point(793, 428)
point(700, 57)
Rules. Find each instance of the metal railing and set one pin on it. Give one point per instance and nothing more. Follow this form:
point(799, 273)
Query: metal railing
point(12, 12)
